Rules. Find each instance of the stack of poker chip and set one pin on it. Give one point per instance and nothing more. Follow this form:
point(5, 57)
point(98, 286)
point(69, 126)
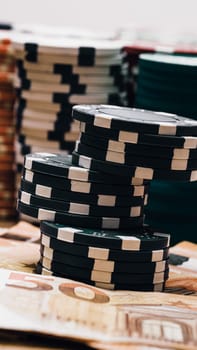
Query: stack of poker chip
point(56, 72)
point(167, 83)
point(7, 129)
point(145, 46)
point(92, 202)
point(94, 231)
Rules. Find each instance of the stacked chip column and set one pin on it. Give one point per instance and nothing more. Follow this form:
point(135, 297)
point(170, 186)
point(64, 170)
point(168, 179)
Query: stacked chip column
point(7, 130)
point(55, 74)
point(168, 83)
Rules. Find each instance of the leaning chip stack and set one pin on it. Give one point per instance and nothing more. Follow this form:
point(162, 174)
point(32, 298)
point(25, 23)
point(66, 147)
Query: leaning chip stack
point(168, 83)
point(112, 249)
point(7, 128)
point(91, 204)
point(56, 72)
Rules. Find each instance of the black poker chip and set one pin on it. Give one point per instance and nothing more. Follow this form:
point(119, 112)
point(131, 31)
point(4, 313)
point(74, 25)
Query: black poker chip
point(102, 276)
point(147, 173)
point(158, 287)
point(103, 265)
point(114, 117)
point(79, 208)
point(103, 253)
point(141, 239)
point(138, 138)
point(62, 166)
point(60, 194)
point(141, 150)
point(136, 160)
point(116, 223)
point(83, 186)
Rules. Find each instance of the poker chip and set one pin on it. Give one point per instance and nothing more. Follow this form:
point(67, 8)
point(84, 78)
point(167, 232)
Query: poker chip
point(85, 221)
point(25, 42)
point(62, 166)
point(148, 150)
point(86, 198)
point(102, 253)
point(103, 265)
point(128, 119)
point(132, 171)
point(103, 276)
point(133, 159)
point(84, 186)
point(141, 239)
point(38, 71)
point(32, 86)
point(138, 138)
point(158, 287)
point(79, 208)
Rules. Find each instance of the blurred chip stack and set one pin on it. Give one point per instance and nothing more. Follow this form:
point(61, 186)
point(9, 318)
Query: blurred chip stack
point(168, 83)
point(145, 40)
point(55, 72)
point(7, 128)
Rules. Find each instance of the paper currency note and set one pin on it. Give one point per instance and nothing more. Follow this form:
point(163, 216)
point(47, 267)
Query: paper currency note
point(183, 269)
point(22, 231)
point(17, 255)
point(72, 310)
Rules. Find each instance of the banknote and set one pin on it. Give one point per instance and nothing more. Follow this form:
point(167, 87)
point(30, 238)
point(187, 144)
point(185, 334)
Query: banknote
point(18, 255)
point(183, 269)
point(71, 310)
point(22, 231)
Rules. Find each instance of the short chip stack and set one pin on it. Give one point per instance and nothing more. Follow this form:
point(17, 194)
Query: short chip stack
point(168, 83)
point(139, 47)
point(7, 129)
point(91, 205)
point(56, 72)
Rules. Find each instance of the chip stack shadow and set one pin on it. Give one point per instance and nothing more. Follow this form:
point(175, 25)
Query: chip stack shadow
point(91, 204)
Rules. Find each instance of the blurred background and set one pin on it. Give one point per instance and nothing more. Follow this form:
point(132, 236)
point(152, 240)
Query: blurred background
point(168, 15)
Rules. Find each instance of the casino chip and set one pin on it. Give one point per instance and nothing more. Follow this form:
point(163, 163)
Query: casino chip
point(62, 166)
point(103, 276)
point(103, 265)
point(102, 253)
point(59, 194)
point(102, 222)
point(128, 119)
point(158, 287)
point(79, 208)
point(141, 239)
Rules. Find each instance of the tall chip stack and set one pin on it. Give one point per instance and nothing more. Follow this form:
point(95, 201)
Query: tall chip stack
point(56, 72)
point(168, 83)
point(91, 205)
point(7, 127)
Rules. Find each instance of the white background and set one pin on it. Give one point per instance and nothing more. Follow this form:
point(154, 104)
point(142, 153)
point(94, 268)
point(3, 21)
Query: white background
point(104, 14)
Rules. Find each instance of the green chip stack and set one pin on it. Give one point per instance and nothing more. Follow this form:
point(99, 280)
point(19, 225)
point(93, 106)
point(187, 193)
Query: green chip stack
point(168, 83)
